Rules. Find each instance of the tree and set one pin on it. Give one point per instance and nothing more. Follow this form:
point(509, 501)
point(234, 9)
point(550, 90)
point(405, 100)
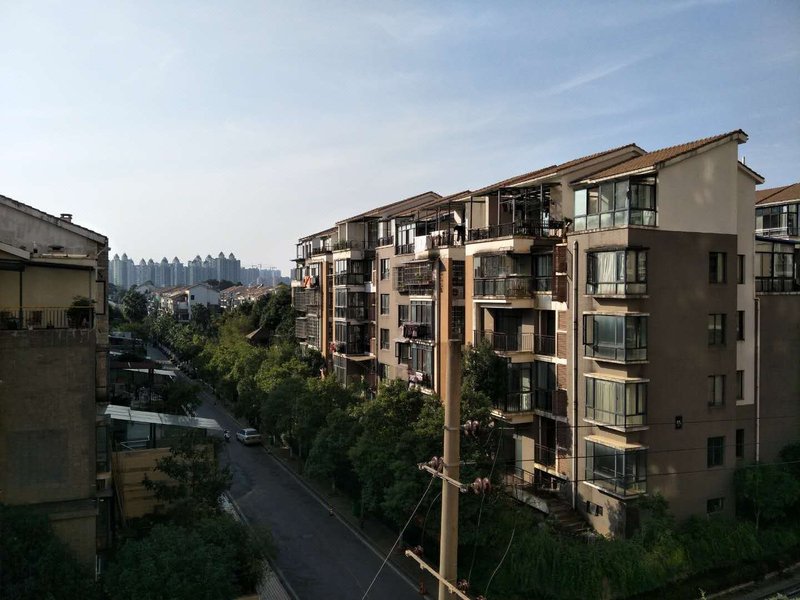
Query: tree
point(195, 482)
point(34, 563)
point(328, 458)
point(484, 381)
point(181, 397)
point(766, 492)
point(278, 315)
point(134, 306)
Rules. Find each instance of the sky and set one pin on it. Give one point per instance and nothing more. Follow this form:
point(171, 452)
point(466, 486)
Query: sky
point(184, 128)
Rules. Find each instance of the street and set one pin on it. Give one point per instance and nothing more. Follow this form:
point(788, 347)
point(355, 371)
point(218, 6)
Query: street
point(319, 556)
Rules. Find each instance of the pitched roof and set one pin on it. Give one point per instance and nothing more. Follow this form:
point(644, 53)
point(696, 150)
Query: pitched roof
point(395, 207)
point(66, 224)
point(553, 169)
point(652, 160)
point(778, 195)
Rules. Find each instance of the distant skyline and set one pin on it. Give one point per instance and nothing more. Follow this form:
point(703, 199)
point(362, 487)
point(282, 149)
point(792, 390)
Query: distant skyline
point(173, 126)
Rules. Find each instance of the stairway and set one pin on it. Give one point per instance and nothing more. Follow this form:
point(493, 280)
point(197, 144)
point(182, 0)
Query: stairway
point(565, 518)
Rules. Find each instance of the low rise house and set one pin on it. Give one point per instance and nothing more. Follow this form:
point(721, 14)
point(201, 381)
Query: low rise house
point(178, 301)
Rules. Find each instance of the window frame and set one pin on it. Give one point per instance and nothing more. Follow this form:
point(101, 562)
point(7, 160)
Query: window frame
point(740, 268)
point(627, 262)
point(384, 338)
point(630, 346)
point(385, 304)
point(717, 267)
point(628, 475)
point(386, 269)
point(716, 329)
point(716, 390)
point(739, 452)
point(715, 452)
point(740, 321)
point(622, 415)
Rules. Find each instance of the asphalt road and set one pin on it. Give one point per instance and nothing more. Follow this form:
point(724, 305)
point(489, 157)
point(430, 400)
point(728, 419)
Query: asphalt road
point(320, 557)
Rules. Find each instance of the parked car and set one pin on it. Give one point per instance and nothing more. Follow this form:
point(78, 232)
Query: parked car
point(248, 436)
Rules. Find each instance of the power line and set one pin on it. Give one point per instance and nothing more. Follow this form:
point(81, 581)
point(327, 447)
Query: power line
point(399, 537)
point(672, 423)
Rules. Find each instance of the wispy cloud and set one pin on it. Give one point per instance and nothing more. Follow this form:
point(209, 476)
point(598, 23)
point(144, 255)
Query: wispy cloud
point(595, 74)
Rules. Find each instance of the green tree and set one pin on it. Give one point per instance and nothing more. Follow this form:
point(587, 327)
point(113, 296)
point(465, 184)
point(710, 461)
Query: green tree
point(166, 565)
point(278, 315)
point(34, 563)
point(134, 306)
point(181, 397)
point(766, 492)
point(484, 380)
point(195, 481)
point(328, 458)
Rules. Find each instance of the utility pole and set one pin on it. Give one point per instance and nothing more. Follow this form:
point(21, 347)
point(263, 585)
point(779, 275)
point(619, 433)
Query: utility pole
point(448, 545)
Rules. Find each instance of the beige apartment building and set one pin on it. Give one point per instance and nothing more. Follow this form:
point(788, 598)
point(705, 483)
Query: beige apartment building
point(621, 290)
point(53, 373)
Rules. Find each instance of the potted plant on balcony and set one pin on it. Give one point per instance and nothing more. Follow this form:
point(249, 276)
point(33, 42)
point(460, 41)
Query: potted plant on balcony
point(79, 313)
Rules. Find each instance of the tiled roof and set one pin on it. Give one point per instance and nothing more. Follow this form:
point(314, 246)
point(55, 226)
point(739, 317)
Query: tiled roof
point(651, 159)
point(395, 207)
point(553, 169)
point(777, 195)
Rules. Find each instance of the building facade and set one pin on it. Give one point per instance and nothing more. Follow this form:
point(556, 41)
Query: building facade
point(53, 373)
point(619, 287)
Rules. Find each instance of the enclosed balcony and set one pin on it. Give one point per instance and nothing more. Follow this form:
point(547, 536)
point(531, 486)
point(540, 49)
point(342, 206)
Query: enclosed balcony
point(516, 212)
point(621, 471)
point(417, 331)
point(615, 338)
point(415, 277)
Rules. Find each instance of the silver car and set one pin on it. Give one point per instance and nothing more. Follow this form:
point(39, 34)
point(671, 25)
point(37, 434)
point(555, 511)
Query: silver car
point(248, 436)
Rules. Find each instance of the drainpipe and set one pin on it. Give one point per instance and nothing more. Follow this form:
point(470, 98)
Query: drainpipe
point(575, 374)
point(758, 379)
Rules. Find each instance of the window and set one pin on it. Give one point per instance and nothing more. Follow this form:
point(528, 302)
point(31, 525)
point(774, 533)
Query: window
point(716, 390)
point(740, 268)
point(384, 304)
point(740, 443)
point(739, 385)
point(716, 451)
point(616, 403)
point(402, 314)
point(616, 204)
point(739, 324)
point(615, 337)
point(620, 471)
point(384, 339)
point(617, 272)
point(542, 272)
point(774, 267)
point(385, 268)
point(457, 276)
point(716, 329)
point(383, 372)
point(405, 238)
point(717, 268)
point(714, 505)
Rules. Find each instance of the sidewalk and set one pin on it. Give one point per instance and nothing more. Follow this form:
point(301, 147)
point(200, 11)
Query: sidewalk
point(380, 537)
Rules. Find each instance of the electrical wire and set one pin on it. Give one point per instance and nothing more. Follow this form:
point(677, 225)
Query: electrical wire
point(503, 558)
point(425, 522)
point(672, 423)
point(399, 537)
point(480, 510)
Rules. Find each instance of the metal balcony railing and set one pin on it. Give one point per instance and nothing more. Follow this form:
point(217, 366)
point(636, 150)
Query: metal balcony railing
point(418, 331)
point(356, 313)
point(515, 402)
point(386, 241)
point(50, 317)
point(348, 279)
point(551, 229)
point(513, 286)
point(544, 455)
point(544, 344)
point(506, 342)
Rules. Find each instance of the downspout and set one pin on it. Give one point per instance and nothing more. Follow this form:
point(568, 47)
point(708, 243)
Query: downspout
point(758, 379)
point(575, 374)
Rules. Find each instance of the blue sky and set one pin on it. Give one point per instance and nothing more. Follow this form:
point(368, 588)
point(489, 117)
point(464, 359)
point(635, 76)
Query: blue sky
point(179, 128)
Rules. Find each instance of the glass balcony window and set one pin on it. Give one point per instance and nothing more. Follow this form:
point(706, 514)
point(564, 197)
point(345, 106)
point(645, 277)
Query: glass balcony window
point(616, 403)
point(623, 472)
point(616, 204)
point(620, 338)
point(616, 272)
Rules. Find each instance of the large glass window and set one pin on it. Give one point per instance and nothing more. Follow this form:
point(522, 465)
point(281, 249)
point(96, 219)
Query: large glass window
point(778, 220)
point(717, 267)
point(615, 402)
point(543, 272)
point(616, 204)
point(716, 390)
point(384, 304)
point(616, 272)
point(716, 329)
point(544, 378)
point(620, 471)
point(508, 275)
point(405, 238)
point(775, 267)
point(615, 337)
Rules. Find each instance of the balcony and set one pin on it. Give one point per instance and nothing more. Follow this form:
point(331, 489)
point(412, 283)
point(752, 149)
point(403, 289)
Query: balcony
point(544, 455)
point(300, 329)
point(416, 277)
point(348, 245)
point(352, 347)
point(552, 402)
point(417, 331)
point(60, 317)
point(348, 279)
point(551, 229)
point(544, 344)
point(513, 286)
point(506, 342)
point(353, 313)
point(515, 402)
point(386, 241)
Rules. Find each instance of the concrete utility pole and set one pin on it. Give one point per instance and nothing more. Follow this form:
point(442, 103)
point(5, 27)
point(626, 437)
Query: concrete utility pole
point(448, 546)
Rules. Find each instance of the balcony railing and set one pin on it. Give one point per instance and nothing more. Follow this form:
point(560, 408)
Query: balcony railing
point(351, 347)
point(386, 241)
point(544, 455)
point(51, 317)
point(613, 418)
point(356, 313)
point(348, 279)
point(553, 229)
point(348, 245)
point(613, 352)
point(506, 342)
point(553, 402)
point(404, 248)
point(300, 329)
point(513, 286)
point(515, 402)
point(544, 344)
point(417, 331)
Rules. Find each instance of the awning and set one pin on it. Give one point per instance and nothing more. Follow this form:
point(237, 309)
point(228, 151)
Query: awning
point(612, 443)
point(124, 413)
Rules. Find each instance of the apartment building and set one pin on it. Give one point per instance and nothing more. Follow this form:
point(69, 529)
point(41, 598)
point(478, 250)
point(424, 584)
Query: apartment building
point(53, 373)
point(620, 289)
point(179, 301)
